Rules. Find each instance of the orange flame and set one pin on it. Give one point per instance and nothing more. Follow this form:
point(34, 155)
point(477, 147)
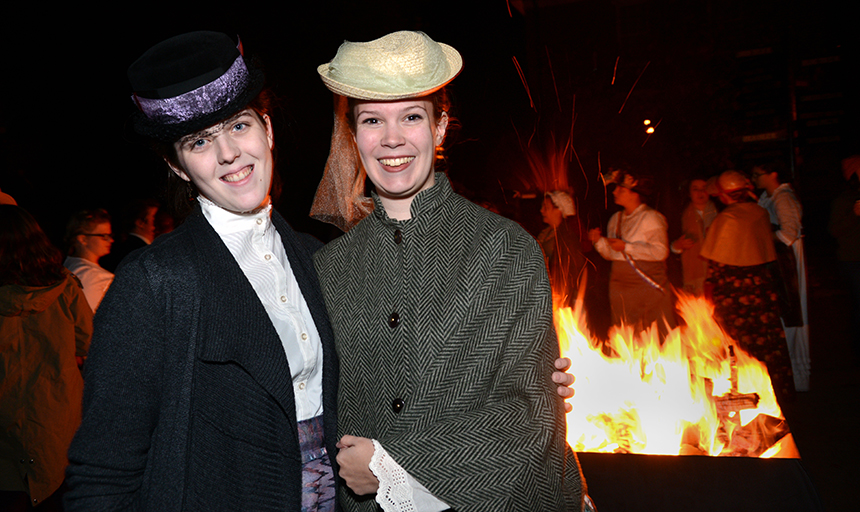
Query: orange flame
point(635, 394)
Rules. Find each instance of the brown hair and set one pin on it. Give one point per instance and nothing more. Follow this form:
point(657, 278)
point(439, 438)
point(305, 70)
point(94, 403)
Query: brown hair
point(27, 257)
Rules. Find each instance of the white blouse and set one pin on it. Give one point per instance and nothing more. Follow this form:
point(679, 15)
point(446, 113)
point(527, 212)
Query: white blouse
point(256, 245)
point(785, 211)
point(644, 232)
point(94, 279)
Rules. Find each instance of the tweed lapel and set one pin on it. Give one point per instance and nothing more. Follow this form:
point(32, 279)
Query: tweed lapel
point(236, 328)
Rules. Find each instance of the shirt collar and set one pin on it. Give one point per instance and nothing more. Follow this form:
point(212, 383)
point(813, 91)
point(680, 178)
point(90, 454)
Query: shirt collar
point(639, 209)
point(424, 201)
point(226, 222)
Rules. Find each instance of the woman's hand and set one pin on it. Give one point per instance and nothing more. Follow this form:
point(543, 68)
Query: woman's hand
point(594, 235)
point(564, 380)
point(354, 459)
point(616, 244)
point(682, 244)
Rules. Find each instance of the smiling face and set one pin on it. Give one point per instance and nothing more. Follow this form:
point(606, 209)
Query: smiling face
point(231, 162)
point(397, 144)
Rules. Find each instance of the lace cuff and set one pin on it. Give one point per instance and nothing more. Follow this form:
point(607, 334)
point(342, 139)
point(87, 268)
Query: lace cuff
point(395, 493)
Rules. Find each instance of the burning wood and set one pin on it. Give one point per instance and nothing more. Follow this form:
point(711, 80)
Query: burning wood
point(694, 393)
point(733, 402)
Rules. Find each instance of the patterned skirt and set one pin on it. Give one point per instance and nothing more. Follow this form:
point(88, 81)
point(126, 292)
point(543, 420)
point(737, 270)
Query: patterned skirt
point(746, 306)
point(318, 491)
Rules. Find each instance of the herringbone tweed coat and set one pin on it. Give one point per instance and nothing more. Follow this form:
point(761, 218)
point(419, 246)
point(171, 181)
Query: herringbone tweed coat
point(443, 328)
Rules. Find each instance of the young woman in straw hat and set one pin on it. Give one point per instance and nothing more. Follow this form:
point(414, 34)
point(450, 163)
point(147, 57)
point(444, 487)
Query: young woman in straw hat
point(212, 376)
point(441, 310)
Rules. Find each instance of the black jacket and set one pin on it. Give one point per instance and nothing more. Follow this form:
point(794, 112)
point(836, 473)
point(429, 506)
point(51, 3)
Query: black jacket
point(188, 400)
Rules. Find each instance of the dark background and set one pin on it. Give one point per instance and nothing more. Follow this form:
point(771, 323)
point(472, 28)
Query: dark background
point(730, 83)
point(65, 97)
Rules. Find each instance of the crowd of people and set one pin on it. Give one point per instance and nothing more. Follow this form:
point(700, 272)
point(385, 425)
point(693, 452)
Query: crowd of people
point(221, 360)
point(745, 256)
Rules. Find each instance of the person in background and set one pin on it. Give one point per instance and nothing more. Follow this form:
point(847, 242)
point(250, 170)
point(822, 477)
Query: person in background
point(442, 310)
point(637, 243)
point(88, 238)
point(138, 230)
point(844, 225)
point(562, 245)
point(786, 214)
point(695, 220)
point(739, 246)
point(45, 325)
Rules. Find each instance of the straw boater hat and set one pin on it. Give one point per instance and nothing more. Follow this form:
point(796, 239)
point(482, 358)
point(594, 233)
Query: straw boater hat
point(399, 66)
point(189, 82)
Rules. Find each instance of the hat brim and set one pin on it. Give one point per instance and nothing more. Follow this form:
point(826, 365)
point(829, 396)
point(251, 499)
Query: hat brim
point(150, 129)
point(455, 65)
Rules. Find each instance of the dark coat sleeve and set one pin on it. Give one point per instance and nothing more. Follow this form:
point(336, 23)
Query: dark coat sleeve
point(133, 393)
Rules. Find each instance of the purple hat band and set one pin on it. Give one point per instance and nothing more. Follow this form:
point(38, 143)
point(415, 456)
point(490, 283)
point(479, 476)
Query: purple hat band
point(198, 102)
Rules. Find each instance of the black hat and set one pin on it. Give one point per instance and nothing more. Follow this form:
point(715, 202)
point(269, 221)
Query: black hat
point(189, 82)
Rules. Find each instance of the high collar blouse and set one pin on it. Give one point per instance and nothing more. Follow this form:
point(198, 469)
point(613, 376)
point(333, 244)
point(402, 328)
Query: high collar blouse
point(257, 247)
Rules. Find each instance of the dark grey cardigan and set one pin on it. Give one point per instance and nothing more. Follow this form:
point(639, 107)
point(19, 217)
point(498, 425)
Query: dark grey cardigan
point(188, 400)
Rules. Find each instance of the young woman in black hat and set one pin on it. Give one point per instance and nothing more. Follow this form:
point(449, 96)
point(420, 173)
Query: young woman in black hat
point(213, 376)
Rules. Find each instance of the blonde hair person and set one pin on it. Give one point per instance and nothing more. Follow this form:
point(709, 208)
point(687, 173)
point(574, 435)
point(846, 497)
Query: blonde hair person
point(442, 310)
point(695, 220)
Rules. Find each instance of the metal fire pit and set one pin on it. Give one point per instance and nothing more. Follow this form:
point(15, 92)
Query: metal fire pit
point(624, 482)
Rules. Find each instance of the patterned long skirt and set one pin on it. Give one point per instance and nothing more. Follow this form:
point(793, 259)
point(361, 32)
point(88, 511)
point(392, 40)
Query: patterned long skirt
point(318, 491)
point(746, 307)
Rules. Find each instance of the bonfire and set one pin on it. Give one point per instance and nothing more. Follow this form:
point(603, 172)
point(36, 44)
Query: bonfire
point(693, 393)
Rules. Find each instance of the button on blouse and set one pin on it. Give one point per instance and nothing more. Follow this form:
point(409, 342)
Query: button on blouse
point(257, 247)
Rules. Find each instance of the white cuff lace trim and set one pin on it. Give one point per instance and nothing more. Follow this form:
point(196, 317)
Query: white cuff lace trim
point(395, 493)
